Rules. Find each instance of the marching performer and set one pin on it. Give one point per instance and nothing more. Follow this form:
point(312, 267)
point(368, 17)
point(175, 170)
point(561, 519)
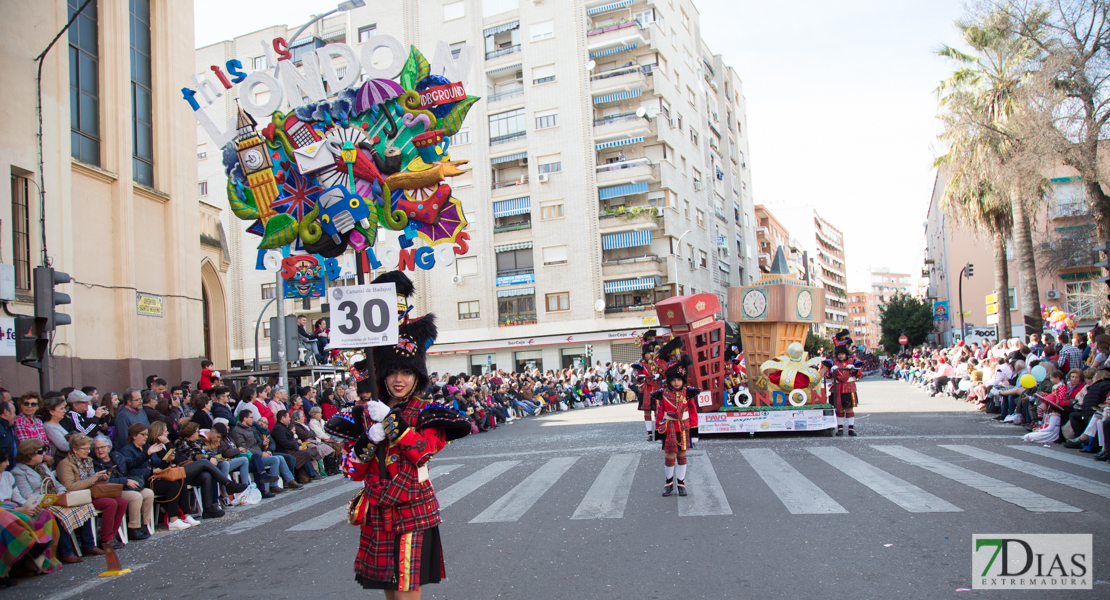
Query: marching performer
point(648, 372)
point(676, 415)
point(397, 511)
point(842, 373)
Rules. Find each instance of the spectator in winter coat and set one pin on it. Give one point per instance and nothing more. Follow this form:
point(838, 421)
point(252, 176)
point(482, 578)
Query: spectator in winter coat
point(130, 412)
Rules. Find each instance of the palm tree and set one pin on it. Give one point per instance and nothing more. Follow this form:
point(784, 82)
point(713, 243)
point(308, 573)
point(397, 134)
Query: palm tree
point(984, 109)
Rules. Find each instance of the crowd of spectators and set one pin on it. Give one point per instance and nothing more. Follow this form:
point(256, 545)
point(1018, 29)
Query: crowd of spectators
point(500, 398)
point(189, 454)
point(1054, 388)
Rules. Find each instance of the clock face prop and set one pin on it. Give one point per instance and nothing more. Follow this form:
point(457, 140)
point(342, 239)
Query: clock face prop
point(253, 159)
point(755, 303)
point(805, 304)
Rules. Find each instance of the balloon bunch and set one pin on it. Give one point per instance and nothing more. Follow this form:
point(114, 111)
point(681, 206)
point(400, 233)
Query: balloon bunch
point(1056, 319)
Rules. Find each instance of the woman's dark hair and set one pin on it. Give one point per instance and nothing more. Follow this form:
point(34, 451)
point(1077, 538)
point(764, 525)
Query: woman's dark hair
point(134, 430)
point(453, 380)
point(326, 396)
point(246, 394)
point(162, 406)
point(200, 400)
point(48, 405)
point(106, 402)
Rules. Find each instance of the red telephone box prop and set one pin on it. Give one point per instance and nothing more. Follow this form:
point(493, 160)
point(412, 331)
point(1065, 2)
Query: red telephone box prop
point(693, 318)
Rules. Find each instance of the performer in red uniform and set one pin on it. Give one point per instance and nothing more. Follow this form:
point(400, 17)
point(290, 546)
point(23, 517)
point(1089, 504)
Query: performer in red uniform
point(648, 370)
point(397, 510)
point(842, 373)
point(676, 415)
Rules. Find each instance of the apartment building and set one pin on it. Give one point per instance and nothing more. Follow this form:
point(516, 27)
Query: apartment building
point(609, 171)
point(1066, 276)
point(886, 284)
point(116, 182)
point(770, 235)
point(824, 244)
point(863, 313)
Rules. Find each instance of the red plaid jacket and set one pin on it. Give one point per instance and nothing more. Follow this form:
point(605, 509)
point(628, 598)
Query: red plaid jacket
point(404, 501)
point(840, 374)
point(30, 429)
point(677, 404)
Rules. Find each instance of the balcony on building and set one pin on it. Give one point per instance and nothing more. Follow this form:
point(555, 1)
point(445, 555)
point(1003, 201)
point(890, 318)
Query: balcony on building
point(611, 122)
point(618, 170)
point(620, 77)
point(515, 265)
point(633, 294)
point(613, 31)
point(625, 205)
point(626, 254)
point(516, 306)
point(509, 175)
point(502, 40)
point(505, 83)
point(514, 214)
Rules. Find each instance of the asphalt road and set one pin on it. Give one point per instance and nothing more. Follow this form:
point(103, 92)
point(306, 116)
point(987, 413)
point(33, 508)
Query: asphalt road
point(569, 506)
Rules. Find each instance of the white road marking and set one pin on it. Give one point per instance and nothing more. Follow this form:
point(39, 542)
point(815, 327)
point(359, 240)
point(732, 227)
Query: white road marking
point(608, 495)
point(257, 521)
point(88, 585)
point(1048, 473)
point(898, 491)
point(460, 489)
point(1024, 498)
point(1075, 459)
point(706, 495)
point(512, 506)
point(800, 495)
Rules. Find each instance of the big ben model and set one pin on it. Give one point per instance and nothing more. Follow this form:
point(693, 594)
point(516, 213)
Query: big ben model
point(773, 313)
point(254, 159)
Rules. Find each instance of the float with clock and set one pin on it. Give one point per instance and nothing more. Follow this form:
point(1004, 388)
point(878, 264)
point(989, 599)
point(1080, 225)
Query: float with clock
point(784, 390)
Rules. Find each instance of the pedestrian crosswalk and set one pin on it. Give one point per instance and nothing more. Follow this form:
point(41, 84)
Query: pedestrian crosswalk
point(816, 480)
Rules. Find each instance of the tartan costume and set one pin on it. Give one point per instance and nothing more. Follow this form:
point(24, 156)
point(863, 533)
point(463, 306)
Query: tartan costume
point(677, 414)
point(842, 389)
point(403, 510)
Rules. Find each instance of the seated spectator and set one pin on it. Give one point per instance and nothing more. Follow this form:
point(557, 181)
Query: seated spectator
point(53, 412)
point(202, 410)
point(77, 472)
point(317, 450)
point(32, 477)
point(28, 426)
point(286, 442)
point(140, 500)
point(247, 439)
point(200, 469)
point(220, 408)
point(77, 420)
point(28, 538)
point(140, 460)
point(228, 459)
point(130, 413)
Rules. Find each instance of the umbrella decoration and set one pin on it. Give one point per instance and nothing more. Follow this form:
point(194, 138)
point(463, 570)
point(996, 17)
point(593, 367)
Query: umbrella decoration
point(377, 92)
point(451, 221)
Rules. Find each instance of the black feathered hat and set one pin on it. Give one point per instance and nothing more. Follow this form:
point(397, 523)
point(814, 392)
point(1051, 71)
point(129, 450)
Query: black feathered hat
point(648, 342)
point(414, 339)
point(346, 424)
point(842, 343)
point(678, 363)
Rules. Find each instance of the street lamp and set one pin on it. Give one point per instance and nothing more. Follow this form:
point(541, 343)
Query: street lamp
point(343, 7)
point(967, 271)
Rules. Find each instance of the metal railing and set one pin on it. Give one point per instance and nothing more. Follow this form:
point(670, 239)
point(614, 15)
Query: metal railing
point(514, 320)
point(507, 50)
point(646, 70)
point(616, 119)
point(624, 164)
point(504, 139)
point(506, 94)
point(512, 227)
point(614, 27)
point(649, 257)
point(504, 184)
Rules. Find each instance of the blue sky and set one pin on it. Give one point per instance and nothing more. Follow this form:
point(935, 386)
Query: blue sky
point(841, 105)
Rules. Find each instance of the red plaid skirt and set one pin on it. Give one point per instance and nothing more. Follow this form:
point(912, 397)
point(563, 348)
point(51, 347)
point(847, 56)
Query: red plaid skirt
point(676, 436)
point(845, 400)
point(398, 561)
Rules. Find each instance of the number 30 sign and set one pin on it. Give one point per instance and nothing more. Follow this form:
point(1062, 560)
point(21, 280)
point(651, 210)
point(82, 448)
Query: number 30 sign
point(363, 315)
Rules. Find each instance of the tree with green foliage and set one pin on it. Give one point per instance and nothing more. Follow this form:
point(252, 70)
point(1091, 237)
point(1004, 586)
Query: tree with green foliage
point(814, 344)
point(905, 315)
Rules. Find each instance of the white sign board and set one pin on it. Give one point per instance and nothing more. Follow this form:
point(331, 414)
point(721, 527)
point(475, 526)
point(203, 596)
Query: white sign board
point(974, 334)
point(363, 315)
point(7, 336)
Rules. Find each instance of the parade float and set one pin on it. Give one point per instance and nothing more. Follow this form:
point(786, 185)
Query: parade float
point(778, 387)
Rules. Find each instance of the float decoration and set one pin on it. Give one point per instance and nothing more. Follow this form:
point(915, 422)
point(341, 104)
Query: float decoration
point(337, 172)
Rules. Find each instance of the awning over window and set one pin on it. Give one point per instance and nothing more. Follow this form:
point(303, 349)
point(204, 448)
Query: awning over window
point(607, 7)
point(622, 190)
point(516, 206)
point(504, 159)
point(516, 292)
point(617, 97)
point(631, 285)
point(500, 69)
point(511, 247)
point(624, 142)
point(612, 51)
point(499, 28)
point(630, 239)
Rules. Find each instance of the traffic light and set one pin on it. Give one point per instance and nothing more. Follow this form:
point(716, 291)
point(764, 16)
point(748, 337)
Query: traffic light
point(970, 269)
point(46, 297)
point(31, 340)
point(1104, 263)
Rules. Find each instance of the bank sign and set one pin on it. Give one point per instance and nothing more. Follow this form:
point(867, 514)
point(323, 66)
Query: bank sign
point(1006, 561)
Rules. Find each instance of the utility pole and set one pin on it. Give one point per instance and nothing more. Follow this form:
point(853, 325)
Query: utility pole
point(967, 271)
point(283, 367)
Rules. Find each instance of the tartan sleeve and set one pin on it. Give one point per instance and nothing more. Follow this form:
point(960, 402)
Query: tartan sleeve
point(418, 447)
point(398, 490)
